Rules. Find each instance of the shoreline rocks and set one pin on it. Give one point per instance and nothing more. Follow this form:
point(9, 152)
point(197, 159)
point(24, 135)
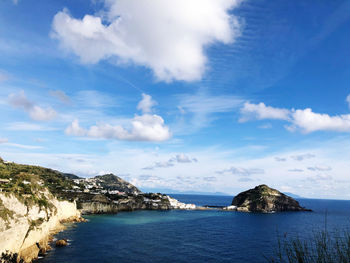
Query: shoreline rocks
point(61, 243)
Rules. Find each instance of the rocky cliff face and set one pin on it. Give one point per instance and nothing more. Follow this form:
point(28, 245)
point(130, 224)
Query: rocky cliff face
point(101, 204)
point(26, 229)
point(265, 199)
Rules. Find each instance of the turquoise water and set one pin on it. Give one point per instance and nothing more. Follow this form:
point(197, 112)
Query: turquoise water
point(193, 236)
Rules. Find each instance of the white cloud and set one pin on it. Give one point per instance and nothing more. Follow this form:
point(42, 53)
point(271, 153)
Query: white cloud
point(182, 158)
point(24, 146)
point(6, 142)
point(308, 121)
point(178, 158)
point(261, 111)
point(159, 165)
point(241, 171)
point(348, 100)
point(146, 104)
point(75, 129)
point(40, 114)
point(146, 127)
point(35, 112)
point(305, 120)
point(166, 36)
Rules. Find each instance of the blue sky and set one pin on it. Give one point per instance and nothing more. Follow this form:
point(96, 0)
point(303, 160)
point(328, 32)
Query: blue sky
point(200, 95)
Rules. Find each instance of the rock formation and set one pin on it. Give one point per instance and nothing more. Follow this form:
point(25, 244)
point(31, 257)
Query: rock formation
point(265, 199)
point(61, 243)
point(25, 229)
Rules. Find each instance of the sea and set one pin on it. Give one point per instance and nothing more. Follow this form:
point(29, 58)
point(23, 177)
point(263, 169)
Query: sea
point(195, 236)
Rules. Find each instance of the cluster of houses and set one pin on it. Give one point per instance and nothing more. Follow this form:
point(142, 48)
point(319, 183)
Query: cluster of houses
point(92, 186)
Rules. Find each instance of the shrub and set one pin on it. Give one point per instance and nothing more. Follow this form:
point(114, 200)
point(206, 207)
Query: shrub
point(323, 247)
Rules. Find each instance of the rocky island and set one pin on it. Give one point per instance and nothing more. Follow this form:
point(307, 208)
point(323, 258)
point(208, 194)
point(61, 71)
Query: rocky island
point(266, 200)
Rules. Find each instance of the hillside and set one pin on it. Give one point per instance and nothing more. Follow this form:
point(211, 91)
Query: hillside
point(30, 210)
point(265, 199)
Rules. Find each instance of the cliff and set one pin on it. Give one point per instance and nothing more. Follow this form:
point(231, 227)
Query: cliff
point(101, 204)
point(265, 199)
point(29, 211)
point(25, 229)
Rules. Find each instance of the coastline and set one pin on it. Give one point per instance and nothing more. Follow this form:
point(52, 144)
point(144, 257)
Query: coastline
point(25, 234)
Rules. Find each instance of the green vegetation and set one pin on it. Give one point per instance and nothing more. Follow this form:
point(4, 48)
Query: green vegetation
point(36, 223)
point(17, 173)
point(30, 184)
point(322, 248)
point(5, 213)
point(39, 177)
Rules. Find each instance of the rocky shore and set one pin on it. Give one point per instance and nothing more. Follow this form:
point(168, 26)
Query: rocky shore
point(27, 231)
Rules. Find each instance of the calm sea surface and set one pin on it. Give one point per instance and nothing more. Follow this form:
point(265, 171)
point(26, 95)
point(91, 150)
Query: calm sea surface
point(194, 236)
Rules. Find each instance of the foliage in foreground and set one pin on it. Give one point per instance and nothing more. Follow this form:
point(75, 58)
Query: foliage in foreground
point(322, 248)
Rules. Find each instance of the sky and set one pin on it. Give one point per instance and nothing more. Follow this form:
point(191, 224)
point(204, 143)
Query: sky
point(213, 96)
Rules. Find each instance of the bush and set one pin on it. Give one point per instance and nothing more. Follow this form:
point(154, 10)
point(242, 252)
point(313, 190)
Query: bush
point(323, 247)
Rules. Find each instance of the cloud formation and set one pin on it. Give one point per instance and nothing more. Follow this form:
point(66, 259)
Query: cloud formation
point(241, 171)
point(302, 157)
point(144, 127)
point(146, 104)
point(169, 37)
point(6, 142)
point(319, 168)
point(182, 158)
point(179, 158)
point(35, 112)
point(304, 120)
point(308, 121)
point(261, 111)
